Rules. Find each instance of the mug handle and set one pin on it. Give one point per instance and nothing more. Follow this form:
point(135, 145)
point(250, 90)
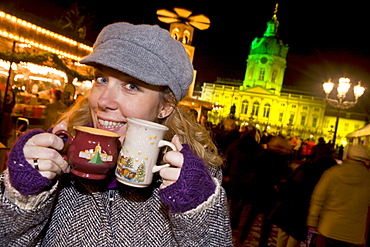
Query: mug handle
point(163, 143)
point(61, 133)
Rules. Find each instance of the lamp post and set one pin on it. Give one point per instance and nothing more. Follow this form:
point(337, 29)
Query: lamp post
point(342, 89)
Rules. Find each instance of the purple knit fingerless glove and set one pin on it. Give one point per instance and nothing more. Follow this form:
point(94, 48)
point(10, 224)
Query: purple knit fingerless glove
point(194, 186)
point(23, 176)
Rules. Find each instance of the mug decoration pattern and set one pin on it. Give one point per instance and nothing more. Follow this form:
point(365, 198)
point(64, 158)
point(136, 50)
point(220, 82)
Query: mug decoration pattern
point(127, 168)
point(92, 152)
point(138, 156)
point(96, 155)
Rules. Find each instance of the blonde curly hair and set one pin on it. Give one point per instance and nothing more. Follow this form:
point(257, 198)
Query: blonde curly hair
point(179, 122)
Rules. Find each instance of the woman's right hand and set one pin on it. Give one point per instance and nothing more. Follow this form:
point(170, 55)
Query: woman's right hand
point(42, 148)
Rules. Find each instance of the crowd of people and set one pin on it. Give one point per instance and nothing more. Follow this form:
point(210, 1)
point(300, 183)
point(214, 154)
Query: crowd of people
point(259, 177)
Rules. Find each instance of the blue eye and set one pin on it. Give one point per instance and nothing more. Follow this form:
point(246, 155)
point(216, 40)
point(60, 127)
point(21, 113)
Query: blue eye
point(101, 80)
point(131, 87)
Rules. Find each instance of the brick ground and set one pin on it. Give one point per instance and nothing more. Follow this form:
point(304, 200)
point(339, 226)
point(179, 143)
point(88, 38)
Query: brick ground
point(254, 235)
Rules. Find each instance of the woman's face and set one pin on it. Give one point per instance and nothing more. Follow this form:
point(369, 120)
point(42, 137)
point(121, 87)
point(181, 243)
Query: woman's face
point(116, 96)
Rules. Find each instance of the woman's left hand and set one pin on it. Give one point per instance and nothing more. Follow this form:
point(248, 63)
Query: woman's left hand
point(175, 159)
point(188, 183)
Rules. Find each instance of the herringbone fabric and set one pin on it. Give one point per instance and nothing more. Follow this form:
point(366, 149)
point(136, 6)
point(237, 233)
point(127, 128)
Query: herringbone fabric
point(85, 213)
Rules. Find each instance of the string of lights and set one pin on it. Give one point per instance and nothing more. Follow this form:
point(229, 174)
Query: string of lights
point(43, 31)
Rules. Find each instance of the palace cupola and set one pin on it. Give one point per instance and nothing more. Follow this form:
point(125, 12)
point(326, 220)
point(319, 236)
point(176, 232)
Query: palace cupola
point(266, 61)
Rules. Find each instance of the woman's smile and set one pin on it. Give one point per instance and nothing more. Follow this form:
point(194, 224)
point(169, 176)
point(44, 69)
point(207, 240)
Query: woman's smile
point(106, 124)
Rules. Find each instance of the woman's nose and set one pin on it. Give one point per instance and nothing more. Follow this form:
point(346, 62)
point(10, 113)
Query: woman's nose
point(108, 98)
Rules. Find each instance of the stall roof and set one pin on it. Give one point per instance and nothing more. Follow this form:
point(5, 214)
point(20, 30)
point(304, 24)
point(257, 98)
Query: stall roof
point(365, 131)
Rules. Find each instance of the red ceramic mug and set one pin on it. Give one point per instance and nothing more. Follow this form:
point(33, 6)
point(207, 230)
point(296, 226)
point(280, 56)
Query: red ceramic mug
point(92, 152)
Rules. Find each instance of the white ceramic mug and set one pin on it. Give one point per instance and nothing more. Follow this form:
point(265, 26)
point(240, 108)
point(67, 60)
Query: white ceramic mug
point(138, 156)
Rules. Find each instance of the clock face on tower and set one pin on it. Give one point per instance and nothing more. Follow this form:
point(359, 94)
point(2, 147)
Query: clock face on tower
point(263, 60)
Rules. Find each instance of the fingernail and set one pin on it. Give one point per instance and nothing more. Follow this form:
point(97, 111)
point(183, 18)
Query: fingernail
point(68, 170)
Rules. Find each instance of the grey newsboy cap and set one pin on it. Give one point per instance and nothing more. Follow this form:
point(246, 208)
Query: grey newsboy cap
point(148, 53)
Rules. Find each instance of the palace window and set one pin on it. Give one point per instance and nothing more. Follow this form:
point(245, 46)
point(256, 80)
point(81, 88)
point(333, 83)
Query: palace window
point(261, 76)
point(266, 110)
point(281, 114)
point(314, 122)
point(250, 75)
point(244, 107)
point(303, 120)
point(326, 123)
point(274, 75)
point(346, 127)
point(255, 108)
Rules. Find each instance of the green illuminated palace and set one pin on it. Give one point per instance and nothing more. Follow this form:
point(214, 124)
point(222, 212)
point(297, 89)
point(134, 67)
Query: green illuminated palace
point(261, 100)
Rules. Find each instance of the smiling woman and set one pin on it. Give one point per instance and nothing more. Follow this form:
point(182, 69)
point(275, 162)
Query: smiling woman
point(116, 96)
point(140, 72)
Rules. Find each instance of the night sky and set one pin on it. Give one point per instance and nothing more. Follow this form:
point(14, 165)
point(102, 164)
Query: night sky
point(327, 39)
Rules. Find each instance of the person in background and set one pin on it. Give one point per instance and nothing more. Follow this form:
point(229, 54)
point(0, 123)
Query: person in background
point(320, 150)
point(224, 137)
point(240, 164)
point(340, 152)
point(297, 149)
point(339, 204)
point(306, 149)
point(290, 213)
point(227, 135)
point(207, 124)
point(293, 141)
point(6, 107)
point(54, 110)
point(269, 175)
point(140, 71)
point(264, 139)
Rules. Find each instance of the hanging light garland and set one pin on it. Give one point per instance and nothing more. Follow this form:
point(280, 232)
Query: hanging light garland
point(16, 37)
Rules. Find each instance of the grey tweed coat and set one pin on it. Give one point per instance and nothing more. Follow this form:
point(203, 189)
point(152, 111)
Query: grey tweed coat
point(76, 212)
